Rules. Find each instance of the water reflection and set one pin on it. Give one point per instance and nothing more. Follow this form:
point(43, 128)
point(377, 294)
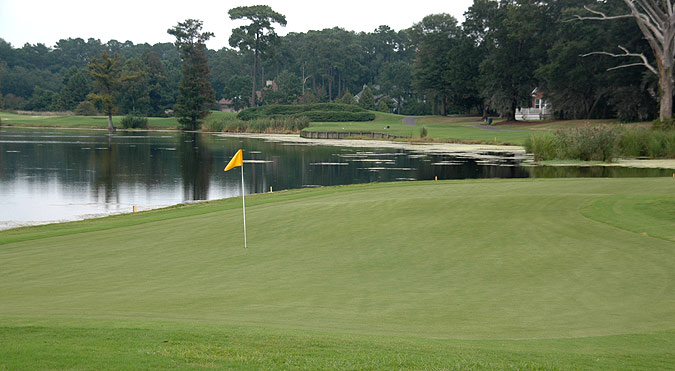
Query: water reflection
point(51, 175)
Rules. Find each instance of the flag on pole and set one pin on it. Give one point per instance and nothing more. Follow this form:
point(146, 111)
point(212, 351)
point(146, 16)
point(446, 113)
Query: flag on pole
point(238, 160)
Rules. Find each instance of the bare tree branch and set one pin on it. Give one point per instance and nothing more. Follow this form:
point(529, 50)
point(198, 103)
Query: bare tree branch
point(645, 61)
point(656, 20)
point(600, 16)
point(655, 13)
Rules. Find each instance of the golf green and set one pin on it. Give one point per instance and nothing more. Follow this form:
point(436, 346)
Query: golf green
point(464, 261)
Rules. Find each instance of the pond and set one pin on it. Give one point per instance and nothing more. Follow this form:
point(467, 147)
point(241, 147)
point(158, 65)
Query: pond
point(50, 175)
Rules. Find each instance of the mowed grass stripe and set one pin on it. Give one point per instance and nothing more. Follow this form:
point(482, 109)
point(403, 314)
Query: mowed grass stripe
point(59, 344)
point(473, 260)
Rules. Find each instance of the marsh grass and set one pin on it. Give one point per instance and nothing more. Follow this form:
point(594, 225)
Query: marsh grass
point(601, 143)
point(260, 125)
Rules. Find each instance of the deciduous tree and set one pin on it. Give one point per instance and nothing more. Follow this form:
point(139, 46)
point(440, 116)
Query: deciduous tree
point(656, 20)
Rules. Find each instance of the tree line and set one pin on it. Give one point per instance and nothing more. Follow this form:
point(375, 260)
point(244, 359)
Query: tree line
point(489, 64)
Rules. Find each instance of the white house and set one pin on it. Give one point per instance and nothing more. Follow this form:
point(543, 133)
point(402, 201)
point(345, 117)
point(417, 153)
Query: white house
point(539, 109)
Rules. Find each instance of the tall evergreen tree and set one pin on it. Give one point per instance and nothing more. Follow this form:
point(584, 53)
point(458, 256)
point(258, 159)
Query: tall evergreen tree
point(195, 92)
point(367, 100)
point(106, 73)
point(257, 36)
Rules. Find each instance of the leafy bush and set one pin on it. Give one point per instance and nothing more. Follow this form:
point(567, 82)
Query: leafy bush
point(86, 108)
point(423, 132)
point(335, 116)
point(134, 122)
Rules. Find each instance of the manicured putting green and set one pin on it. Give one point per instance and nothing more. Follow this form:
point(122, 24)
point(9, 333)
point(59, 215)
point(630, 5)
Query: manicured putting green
point(494, 259)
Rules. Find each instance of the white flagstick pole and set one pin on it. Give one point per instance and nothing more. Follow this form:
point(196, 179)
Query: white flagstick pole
point(243, 200)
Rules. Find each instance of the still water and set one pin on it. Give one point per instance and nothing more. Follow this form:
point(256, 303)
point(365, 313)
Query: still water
point(57, 175)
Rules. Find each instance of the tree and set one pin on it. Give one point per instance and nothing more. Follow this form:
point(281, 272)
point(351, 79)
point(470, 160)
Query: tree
point(105, 70)
point(511, 32)
point(382, 105)
point(396, 81)
point(256, 37)
point(134, 89)
point(195, 92)
point(656, 20)
point(76, 85)
point(434, 37)
point(367, 100)
point(347, 98)
point(237, 89)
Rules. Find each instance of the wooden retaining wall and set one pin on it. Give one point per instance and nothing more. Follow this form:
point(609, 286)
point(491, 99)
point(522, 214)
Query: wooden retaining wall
point(345, 134)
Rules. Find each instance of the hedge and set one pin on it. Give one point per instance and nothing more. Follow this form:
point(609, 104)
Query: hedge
point(316, 112)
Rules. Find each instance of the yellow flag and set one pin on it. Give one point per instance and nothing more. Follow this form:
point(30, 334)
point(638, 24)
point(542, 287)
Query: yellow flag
point(237, 160)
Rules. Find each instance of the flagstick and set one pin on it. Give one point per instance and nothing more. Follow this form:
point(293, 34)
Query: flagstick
point(243, 200)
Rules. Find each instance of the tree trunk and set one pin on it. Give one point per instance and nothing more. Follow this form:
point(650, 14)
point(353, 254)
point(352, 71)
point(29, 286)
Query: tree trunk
point(111, 127)
point(666, 87)
point(255, 68)
point(443, 109)
point(512, 113)
point(330, 85)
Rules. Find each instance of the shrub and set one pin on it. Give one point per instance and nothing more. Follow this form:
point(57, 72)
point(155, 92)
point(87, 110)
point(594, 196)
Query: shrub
point(277, 110)
point(333, 116)
point(86, 108)
point(134, 122)
point(423, 132)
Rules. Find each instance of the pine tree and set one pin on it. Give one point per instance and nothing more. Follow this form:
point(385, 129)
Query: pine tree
point(348, 98)
point(382, 106)
point(106, 73)
point(195, 92)
point(367, 99)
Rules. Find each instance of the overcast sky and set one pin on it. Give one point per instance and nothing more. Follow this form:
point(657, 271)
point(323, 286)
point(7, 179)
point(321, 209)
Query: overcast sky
point(47, 21)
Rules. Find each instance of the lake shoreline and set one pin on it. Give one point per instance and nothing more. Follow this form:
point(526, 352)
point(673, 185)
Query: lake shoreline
point(425, 147)
point(436, 148)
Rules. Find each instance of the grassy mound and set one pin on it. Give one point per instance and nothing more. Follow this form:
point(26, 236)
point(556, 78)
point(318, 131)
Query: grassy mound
point(366, 276)
point(328, 112)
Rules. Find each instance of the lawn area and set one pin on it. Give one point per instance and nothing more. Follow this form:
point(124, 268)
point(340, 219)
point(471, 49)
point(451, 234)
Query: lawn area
point(455, 128)
point(445, 129)
point(555, 273)
point(90, 122)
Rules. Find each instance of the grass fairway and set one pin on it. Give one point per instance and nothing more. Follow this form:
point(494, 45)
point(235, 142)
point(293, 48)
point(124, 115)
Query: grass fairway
point(562, 273)
point(91, 122)
point(456, 128)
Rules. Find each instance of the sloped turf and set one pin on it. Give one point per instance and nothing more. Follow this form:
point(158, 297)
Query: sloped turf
point(491, 273)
